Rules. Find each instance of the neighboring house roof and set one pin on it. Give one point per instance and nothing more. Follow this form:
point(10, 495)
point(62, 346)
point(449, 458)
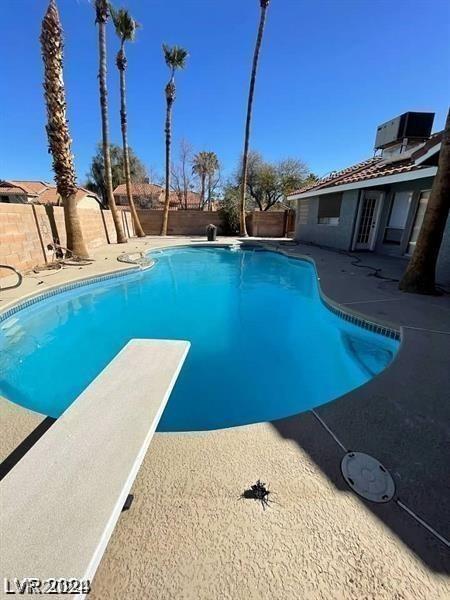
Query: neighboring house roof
point(152, 189)
point(139, 189)
point(20, 188)
point(39, 192)
point(51, 196)
point(193, 200)
point(376, 168)
point(33, 187)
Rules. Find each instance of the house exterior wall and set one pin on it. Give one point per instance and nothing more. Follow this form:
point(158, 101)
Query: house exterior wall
point(121, 200)
point(340, 236)
point(13, 199)
point(335, 236)
point(88, 202)
point(399, 250)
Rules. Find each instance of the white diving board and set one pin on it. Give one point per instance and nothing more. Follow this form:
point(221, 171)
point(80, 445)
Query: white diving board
point(60, 503)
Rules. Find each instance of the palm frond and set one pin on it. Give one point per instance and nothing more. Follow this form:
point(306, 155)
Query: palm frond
point(205, 163)
point(124, 23)
point(101, 11)
point(175, 56)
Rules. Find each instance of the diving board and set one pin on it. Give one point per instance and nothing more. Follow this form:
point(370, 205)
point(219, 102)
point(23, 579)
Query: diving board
point(61, 501)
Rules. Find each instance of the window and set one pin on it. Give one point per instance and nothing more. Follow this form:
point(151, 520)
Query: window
point(329, 209)
point(400, 206)
point(4, 199)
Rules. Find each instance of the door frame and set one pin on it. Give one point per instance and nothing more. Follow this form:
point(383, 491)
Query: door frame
point(378, 211)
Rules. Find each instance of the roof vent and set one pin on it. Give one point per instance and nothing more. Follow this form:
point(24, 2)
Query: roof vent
point(412, 126)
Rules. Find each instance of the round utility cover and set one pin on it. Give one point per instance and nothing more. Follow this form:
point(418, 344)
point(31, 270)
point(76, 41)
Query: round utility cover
point(367, 477)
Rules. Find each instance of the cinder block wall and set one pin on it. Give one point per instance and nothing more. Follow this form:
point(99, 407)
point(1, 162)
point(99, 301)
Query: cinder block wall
point(181, 222)
point(26, 230)
point(267, 224)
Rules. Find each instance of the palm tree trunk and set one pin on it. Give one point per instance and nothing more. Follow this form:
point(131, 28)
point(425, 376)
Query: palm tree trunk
point(185, 187)
point(74, 231)
point(57, 128)
point(168, 131)
point(202, 191)
point(420, 275)
point(262, 22)
point(121, 237)
point(209, 192)
point(126, 155)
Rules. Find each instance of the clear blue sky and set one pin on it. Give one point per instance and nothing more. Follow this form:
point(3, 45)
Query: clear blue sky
point(330, 72)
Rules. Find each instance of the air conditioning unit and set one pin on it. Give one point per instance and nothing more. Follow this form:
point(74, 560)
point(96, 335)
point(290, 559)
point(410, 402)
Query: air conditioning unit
point(410, 125)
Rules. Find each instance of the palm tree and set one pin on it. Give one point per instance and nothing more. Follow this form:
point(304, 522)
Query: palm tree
point(262, 21)
point(125, 28)
point(175, 58)
point(213, 167)
point(420, 275)
point(205, 165)
point(57, 129)
point(102, 14)
point(200, 168)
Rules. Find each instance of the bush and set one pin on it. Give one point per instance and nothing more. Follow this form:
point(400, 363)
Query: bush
point(229, 211)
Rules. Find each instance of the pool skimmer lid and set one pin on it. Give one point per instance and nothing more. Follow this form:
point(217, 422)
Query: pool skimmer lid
point(367, 477)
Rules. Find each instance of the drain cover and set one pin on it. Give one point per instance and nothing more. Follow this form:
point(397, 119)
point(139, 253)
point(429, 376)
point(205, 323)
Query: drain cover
point(367, 477)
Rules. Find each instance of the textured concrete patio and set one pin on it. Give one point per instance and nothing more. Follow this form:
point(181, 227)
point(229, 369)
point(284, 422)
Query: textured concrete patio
point(189, 536)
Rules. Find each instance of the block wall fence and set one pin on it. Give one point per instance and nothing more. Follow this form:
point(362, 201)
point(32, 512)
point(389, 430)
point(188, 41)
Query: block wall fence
point(26, 229)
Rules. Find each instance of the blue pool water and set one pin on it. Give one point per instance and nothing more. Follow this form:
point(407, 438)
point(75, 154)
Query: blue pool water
point(263, 345)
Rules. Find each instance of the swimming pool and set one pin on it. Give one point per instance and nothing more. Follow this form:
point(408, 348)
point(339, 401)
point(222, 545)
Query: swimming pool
point(263, 344)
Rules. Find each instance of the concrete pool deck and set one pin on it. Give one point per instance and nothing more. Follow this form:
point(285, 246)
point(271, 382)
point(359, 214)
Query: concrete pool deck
point(188, 535)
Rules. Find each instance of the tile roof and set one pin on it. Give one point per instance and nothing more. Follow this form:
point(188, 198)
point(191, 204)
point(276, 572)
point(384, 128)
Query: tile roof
point(39, 192)
point(20, 188)
point(51, 196)
point(32, 187)
point(138, 189)
point(193, 200)
point(152, 189)
point(375, 167)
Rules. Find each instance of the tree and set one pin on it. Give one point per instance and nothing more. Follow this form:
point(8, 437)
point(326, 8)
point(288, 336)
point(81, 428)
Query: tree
point(102, 15)
point(96, 176)
point(213, 176)
point(175, 58)
point(200, 168)
point(206, 166)
point(59, 140)
point(181, 181)
point(420, 274)
point(262, 21)
point(229, 209)
point(125, 28)
point(268, 184)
